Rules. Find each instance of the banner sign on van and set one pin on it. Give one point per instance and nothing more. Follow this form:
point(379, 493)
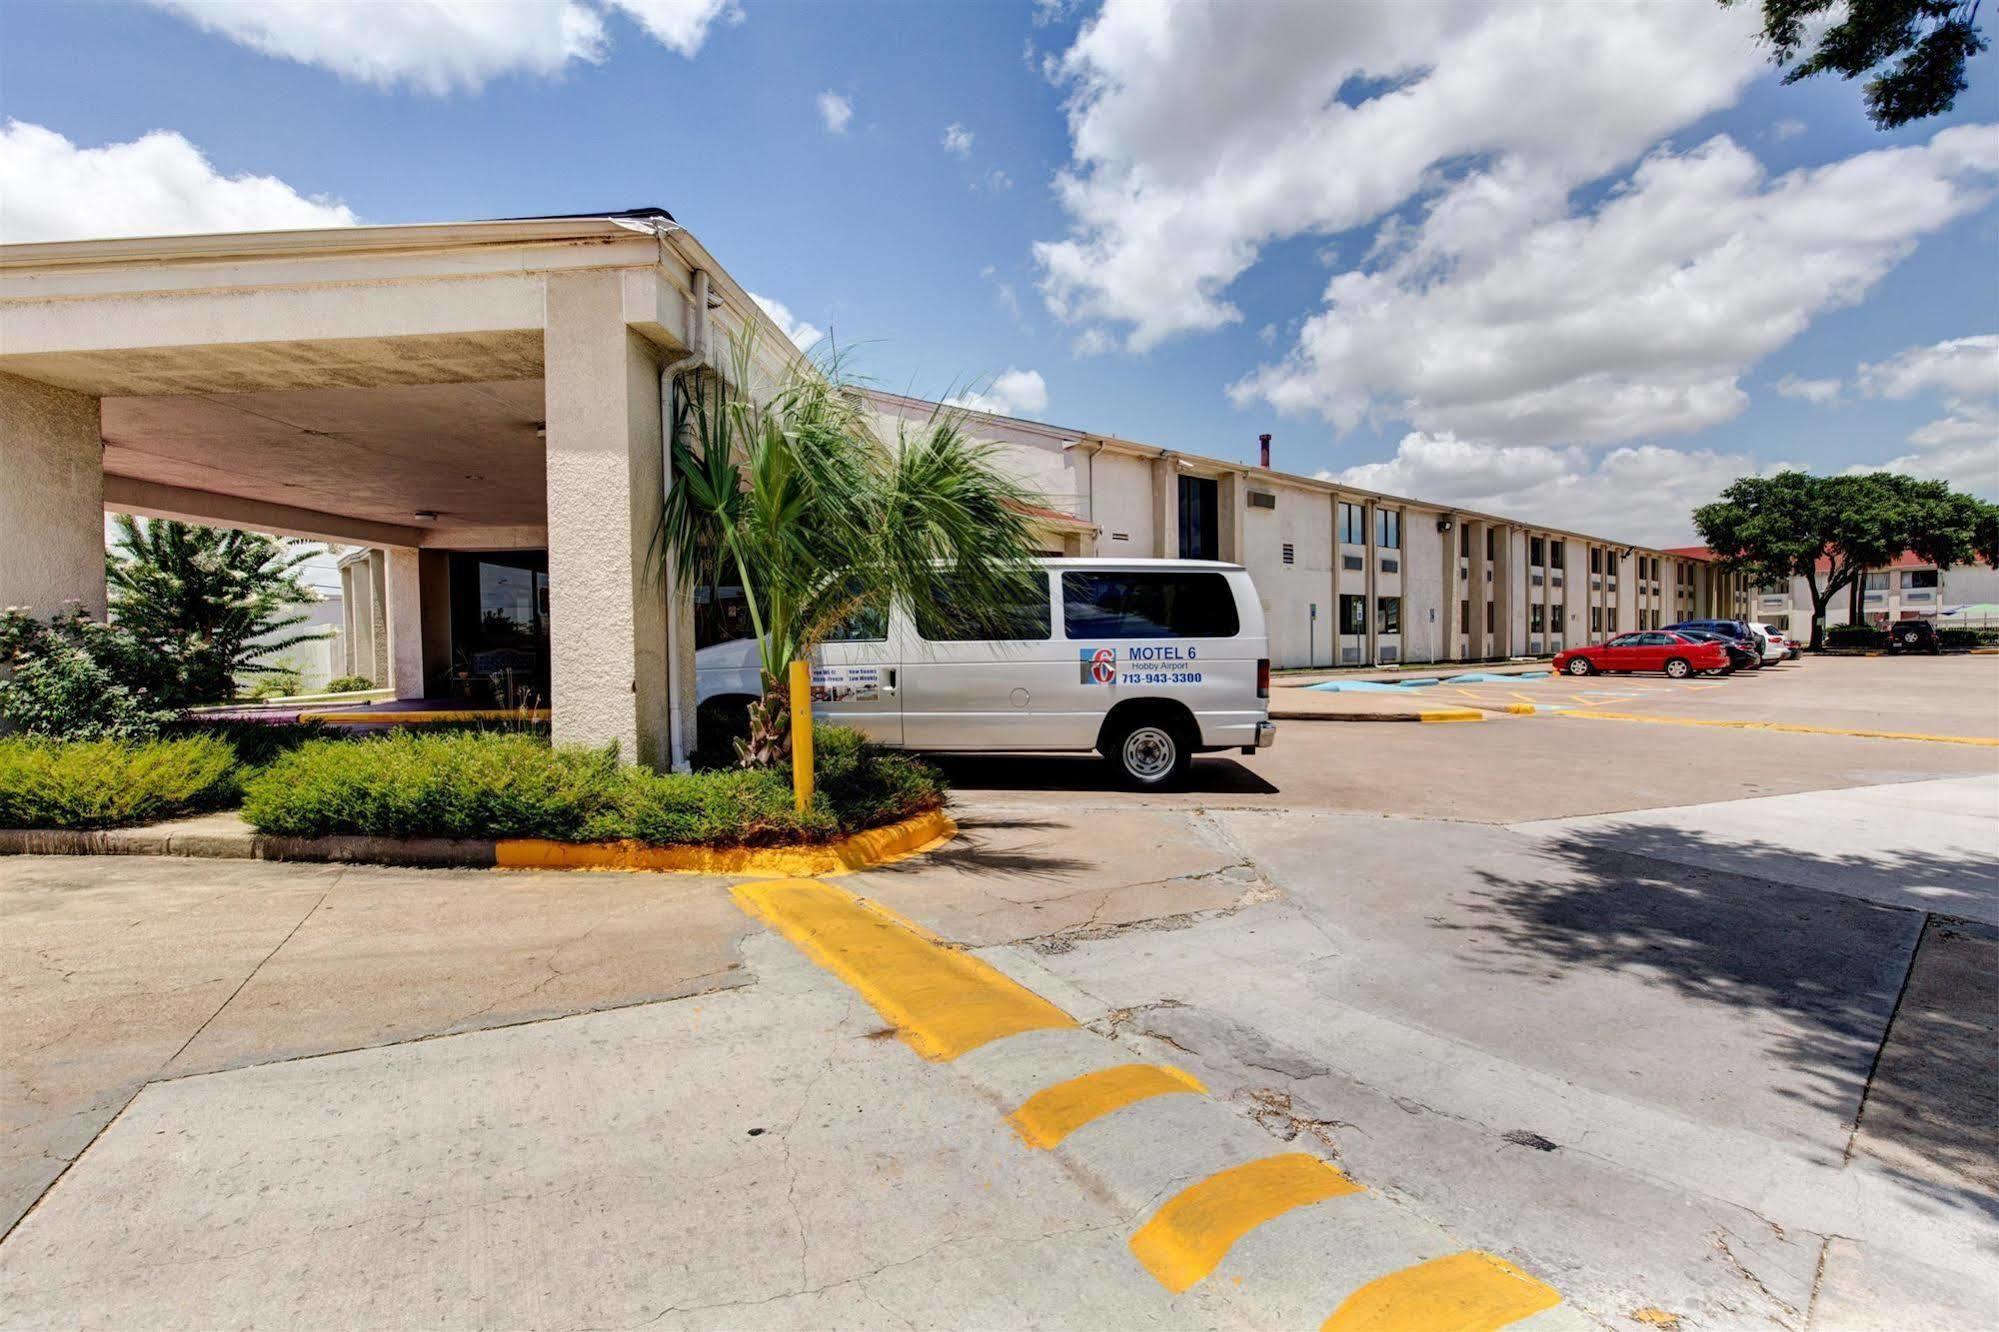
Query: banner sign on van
point(1145, 665)
point(846, 684)
point(1099, 665)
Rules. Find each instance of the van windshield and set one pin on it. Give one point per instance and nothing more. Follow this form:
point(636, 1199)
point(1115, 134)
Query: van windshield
point(1151, 604)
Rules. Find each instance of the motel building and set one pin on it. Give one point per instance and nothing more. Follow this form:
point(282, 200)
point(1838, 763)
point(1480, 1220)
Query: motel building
point(476, 409)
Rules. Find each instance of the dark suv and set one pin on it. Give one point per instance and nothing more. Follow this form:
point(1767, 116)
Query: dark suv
point(1914, 636)
point(1735, 632)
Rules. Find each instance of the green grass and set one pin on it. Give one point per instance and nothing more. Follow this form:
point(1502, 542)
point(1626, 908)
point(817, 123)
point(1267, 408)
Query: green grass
point(110, 783)
point(499, 785)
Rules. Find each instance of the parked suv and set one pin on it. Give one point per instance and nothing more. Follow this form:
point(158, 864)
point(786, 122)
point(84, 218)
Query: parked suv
point(1738, 630)
point(1741, 656)
point(1914, 636)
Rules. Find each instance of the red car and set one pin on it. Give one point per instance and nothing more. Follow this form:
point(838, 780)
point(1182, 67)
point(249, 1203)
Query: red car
point(1651, 650)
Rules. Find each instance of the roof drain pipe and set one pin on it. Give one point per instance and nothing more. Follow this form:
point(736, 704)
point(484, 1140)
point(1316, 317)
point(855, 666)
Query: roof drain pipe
point(680, 740)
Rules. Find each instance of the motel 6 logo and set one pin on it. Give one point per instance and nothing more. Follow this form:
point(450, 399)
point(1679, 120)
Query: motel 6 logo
point(1099, 665)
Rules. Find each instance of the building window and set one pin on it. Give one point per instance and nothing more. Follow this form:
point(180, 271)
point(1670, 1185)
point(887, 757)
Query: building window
point(1464, 617)
point(1464, 541)
point(1920, 578)
point(1491, 544)
point(1488, 617)
point(1537, 552)
point(1596, 559)
point(1388, 614)
point(1388, 528)
point(1353, 525)
point(1353, 614)
point(1536, 618)
point(1557, 617)
point(1877, 582)
point(1557, 555)
point(1596, 619)
point(1200, 527)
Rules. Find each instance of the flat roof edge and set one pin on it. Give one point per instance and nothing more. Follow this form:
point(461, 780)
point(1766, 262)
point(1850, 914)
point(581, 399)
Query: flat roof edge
point(310, 240)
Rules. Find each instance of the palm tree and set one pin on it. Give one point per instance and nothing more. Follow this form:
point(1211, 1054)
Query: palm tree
point(214, 601)
point(820, 520)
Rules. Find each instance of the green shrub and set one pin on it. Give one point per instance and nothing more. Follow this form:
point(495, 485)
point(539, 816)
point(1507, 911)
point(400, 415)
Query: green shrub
point(75, 678)
point(348, 684)
point(275, 684)
point(1856, 636)
point(255, 742)
point(1960, 637)
point(501, 785)
point(47, 783)
point(409, 785)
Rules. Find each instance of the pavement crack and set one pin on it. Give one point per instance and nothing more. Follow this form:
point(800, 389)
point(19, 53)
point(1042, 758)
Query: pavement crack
point(317, 902)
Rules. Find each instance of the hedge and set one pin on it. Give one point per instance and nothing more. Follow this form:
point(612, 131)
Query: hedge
point(501, 785)
point(48, 783)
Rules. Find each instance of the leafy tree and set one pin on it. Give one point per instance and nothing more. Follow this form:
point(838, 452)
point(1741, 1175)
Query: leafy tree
point(824, 524)
point(214, 601)
point(1916, 49)
point(1828, 530)
point(81, 679)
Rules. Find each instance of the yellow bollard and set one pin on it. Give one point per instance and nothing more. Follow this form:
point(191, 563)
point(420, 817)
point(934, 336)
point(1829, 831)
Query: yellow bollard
point(801, 735)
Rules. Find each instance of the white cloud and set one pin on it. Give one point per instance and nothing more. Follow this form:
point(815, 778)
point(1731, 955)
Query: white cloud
point(1571, 488)
point(1203, 130)
point(802, 334)
point(994, 182)
point(835, 111)
point(1506, 316)
point(957, 139)
point(1788, 128)
point(158, 184)
point(1012, 393)
point(1818, 392)
point(1959, 368)
point(1962, 445)
point(1094, 342)
point(444, 46)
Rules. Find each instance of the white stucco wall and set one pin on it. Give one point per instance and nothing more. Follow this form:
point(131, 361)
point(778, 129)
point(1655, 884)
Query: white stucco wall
point(1302, 518)
point(1423, 607)
point(51, 498)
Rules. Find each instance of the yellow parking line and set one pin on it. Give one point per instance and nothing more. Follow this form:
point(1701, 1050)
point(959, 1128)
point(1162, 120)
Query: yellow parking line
point(1053, 1113)
point(1987, 741)
point(1188, 1237)
point(942, 1002)
point(1450, 715)
point(1465, 1292)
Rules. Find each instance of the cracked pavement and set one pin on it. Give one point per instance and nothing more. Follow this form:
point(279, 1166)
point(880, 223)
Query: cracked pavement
point(1733, 1068)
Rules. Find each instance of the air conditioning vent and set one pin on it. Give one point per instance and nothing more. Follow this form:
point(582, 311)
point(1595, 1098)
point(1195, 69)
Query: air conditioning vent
point(1262, 499)
point(1390, 653)
point(1120, 536)
point(1391, 566)
point(1349, 654)
point(1352, 562)
point(1290, 553)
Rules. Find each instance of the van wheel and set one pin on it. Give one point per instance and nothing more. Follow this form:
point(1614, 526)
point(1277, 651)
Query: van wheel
point(1678, 668)
point(1150, 754)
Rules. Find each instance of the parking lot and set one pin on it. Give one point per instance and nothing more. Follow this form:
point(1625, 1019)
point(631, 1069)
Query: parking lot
point(1692, 1024)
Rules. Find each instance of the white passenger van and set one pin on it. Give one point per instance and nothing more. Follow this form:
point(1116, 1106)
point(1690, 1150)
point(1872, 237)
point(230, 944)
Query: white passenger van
point(1148, 662)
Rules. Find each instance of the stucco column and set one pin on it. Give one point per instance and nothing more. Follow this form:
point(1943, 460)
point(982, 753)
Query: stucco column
point(607, 611)
point(1369, 519)
point(402, 615)
point(1166, 507)
point(1504, 570)
point(378, 618)
point(51, 498)
point(1452, 593)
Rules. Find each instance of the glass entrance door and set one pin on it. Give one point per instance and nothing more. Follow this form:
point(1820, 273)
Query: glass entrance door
point(499, 628)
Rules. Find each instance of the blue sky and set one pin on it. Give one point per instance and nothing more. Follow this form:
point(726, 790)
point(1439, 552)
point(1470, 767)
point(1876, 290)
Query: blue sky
point(930, 259)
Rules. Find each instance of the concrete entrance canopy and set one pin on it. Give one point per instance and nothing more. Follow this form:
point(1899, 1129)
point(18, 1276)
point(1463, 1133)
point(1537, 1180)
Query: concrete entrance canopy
point(420, 389)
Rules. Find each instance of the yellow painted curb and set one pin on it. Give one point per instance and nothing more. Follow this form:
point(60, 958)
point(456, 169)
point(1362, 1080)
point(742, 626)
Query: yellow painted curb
point(1053, 1113)
point(391, 717)
point(1792, 727)
point(1473, 1291)
point(1451, 715)
point(877, 846)
point(1188, 1237)
point(941, 1001)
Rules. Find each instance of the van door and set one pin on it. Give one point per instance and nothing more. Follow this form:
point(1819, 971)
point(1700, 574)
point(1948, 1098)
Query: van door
point(856, 677)
point(1171, 633)
point(975, 687)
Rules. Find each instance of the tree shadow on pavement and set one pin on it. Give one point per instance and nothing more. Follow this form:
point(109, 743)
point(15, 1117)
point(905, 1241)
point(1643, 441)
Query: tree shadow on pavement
point(1817, 973)
point(999, 844)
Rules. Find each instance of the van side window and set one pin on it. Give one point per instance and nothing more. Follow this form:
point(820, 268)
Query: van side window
point(867, 624)
point(1027, 620)
point(1163, 604)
